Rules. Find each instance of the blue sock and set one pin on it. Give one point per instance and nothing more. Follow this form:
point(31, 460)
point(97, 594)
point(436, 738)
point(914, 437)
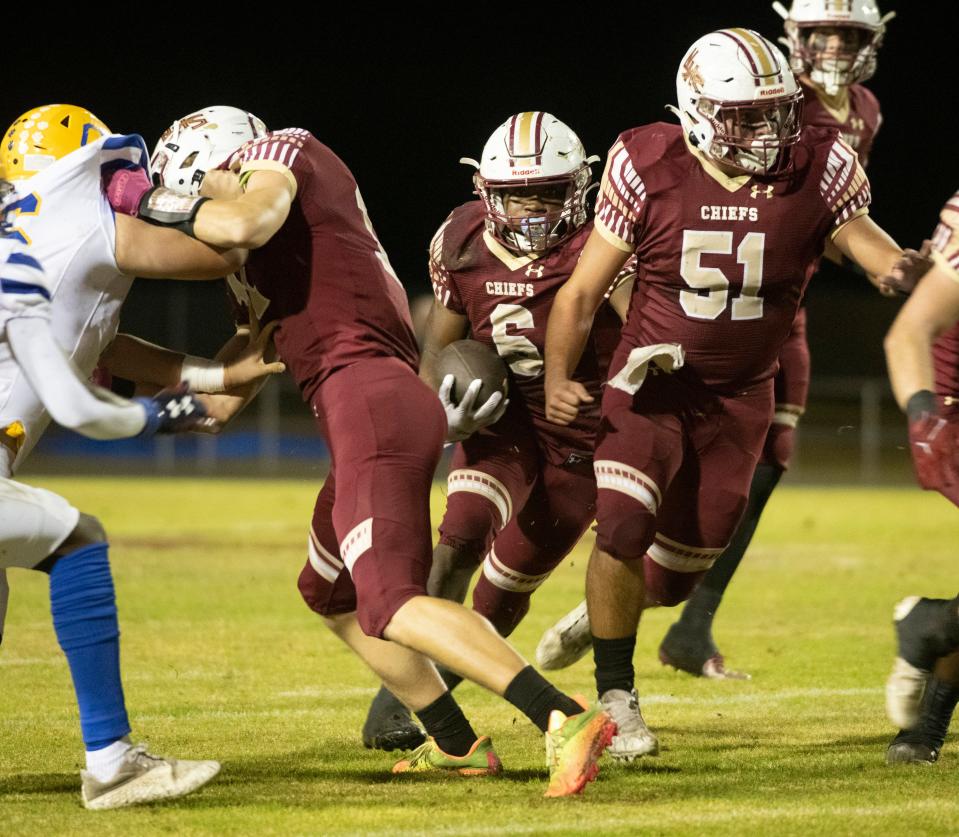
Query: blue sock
point(85, 620)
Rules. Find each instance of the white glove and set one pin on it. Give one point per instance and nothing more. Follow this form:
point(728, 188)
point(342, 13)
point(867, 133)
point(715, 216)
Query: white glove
point(462, 420)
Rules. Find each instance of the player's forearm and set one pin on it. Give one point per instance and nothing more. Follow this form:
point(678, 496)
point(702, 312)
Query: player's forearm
point(70, 401)
point(909, 359)
point(869, 246)
point(137, 360)
point(567, 331)
point(247, 222)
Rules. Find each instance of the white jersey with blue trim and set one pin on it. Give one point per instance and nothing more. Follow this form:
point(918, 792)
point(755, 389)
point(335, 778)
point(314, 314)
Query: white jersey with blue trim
point(63, 215)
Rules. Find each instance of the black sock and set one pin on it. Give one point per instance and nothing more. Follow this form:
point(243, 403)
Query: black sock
point(705, 600)
point(450, 678)
point(445, 722)
point(938, 704)
point(534, 696)
point(929, 631)
point(614, 663)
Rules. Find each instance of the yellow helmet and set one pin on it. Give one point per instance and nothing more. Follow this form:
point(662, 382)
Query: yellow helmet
point(43, 135)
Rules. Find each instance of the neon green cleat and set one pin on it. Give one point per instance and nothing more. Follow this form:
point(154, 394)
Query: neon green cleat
point(574, 745)
point(481, 760)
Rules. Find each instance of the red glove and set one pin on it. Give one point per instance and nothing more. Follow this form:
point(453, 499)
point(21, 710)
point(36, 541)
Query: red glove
point(125, 188)
point(934, 442)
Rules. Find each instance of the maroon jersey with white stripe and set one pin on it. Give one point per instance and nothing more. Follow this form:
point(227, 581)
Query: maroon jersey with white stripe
point(507, 299)
point(858, 120)
point(324, 274)
point(945, 352)
point(722, 261)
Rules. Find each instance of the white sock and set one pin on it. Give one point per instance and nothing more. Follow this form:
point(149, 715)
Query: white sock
point(104, 763)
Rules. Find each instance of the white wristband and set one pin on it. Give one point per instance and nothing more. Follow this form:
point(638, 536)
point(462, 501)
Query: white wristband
point(202, 375)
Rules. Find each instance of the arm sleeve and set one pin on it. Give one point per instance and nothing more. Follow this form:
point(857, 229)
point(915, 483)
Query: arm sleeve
point(444, 285)
point(70, 401)
point(844, 185)
point(945, 240)
point(622, 196)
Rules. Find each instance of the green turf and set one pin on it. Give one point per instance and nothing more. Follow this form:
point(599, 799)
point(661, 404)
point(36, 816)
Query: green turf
point(222, 660)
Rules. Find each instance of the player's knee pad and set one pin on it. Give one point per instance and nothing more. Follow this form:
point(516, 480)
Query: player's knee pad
point(478, 505)
point(505, 610)
point(667, 588)
point(625, 532)
point(325, 596)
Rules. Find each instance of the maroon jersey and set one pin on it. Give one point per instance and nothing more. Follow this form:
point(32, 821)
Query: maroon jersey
point(945, 352)
point(722, 261)
point(324, 274)
point(507, 298)
point(858, 119)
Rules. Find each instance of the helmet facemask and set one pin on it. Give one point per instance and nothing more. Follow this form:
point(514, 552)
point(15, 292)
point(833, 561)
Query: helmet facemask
point(753, 137)
point(6, 195)
point(834, 55)
point(556, 208)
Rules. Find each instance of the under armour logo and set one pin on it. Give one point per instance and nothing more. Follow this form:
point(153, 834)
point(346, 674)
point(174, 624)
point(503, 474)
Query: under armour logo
point(756, 190)
point(176, 407)
point(535, 271)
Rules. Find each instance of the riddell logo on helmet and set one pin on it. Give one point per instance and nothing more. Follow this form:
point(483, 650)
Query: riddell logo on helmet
point(773, 91)
point(525, 172)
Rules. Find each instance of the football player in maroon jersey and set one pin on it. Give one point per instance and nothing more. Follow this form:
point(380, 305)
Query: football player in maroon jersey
point(728, 214)
point(344, 332)
point(922, 352)
point(521, 492)
point(832, 49)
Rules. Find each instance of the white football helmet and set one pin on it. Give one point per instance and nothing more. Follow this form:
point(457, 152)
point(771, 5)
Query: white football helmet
point(739, 102)
point(200, 141)
point(533, 153)
point(834, 42)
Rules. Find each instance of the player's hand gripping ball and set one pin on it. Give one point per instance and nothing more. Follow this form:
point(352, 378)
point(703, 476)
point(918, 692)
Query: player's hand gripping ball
point(473, 388)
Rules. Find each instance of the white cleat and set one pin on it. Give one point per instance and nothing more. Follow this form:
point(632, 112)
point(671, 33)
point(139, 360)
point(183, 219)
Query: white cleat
point(566, 642)
point(143, 777)
point(633, 738)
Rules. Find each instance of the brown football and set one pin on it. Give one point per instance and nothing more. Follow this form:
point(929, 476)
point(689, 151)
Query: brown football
point(467, 360)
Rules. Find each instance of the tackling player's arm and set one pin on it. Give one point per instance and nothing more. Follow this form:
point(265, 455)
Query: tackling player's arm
point(252, 218)
point(79, 406)
point(142, 362)
point(443, 327)
point(931, 310)
point(863, 241)
point(570, 321)
point(156, 252)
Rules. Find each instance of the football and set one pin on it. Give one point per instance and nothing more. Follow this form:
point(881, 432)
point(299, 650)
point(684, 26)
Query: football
point(467, 360)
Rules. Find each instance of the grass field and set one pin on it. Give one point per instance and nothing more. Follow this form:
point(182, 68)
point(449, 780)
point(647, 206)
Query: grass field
point(222, 660)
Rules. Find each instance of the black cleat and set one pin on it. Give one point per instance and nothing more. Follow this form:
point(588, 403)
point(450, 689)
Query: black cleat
point(912, 747)
point(694, 652)
point(389, 725)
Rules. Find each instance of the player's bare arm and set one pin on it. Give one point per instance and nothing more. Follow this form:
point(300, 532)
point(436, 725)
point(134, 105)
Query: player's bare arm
point(155, 252)
point(930, 311)
point(251, 219)
point(570, 321)
point(871, 247)
point(138, 360)
point(619, 298)
point(442, 328)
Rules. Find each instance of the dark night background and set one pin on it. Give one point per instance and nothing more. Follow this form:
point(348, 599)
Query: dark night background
point(402, 110)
